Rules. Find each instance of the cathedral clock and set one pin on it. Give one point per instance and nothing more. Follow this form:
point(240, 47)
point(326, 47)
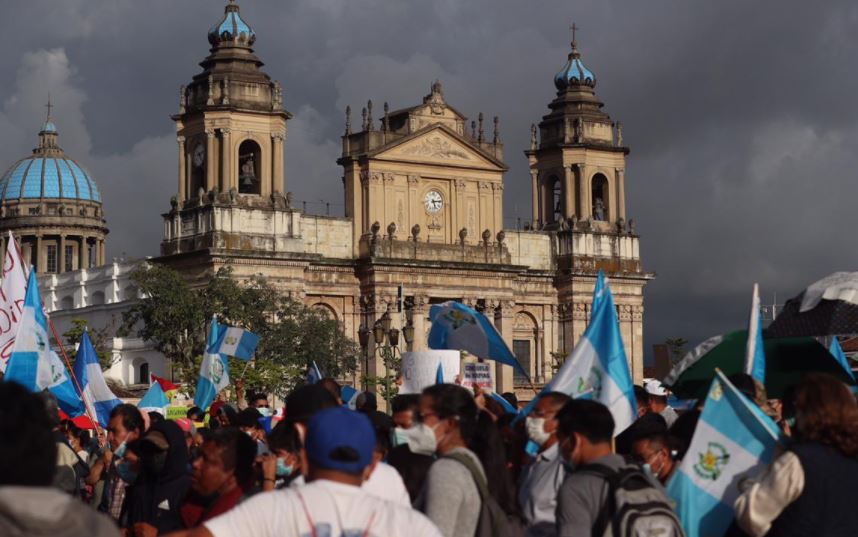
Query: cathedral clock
point(433, 202)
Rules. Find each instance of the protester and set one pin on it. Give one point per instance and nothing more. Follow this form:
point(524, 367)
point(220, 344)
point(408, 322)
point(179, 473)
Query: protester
point(221, 475)
point(259, 401)
point(339, 447)
point(124, 425)
point(412, 467)
point(651, 445)
point(366, 402)
point(29, 505)
point(810, 489)
point(658, 401)
point(78, 440)
point(156, 496)
point(541, 479)
point(511, 398)
point(384, 481)
point(222, 414)
point(71, 469)
point(190, 431)
point(282, 464)
point(584, 435)
point(248, 420)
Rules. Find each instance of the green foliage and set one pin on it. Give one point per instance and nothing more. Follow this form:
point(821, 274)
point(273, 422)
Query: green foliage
point(386, 385)
point(99, 338)
point(175, 318)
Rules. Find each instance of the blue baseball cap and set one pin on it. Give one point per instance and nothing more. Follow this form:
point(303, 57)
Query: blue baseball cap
point(340, 439)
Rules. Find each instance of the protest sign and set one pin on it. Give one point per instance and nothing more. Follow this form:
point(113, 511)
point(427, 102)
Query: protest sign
point(12, 292)
point(175, 412)
point(420, 368)
point(477, 374)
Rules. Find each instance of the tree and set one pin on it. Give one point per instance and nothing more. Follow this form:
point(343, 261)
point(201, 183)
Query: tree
point(98, 337)
point(675, 349)
point(175, 318)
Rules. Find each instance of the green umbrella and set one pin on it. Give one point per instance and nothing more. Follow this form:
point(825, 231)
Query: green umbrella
point(787, 359)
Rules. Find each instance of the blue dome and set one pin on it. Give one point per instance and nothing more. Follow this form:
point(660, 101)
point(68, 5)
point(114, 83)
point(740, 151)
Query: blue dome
point(48, 177)
point(232, 28)
point(49, 127)
point(574, 72)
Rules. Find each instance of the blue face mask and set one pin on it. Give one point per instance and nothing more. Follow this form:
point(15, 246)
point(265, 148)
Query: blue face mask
point(125, 472)
point(282, 469)
point(399, 436)
point(120, 451)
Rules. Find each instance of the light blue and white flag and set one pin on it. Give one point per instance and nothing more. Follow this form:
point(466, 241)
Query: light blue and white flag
point(597, 368)
point(155, 400)
point(733, 440)
point(455, 326)
point(33, 364)
point(349, 396)
point(214, 370)
point(313, 373)
point(96, 393)
point(755, 355)
point(507, 406)
point(439, 374)
point(238, 343)
point(837, 351)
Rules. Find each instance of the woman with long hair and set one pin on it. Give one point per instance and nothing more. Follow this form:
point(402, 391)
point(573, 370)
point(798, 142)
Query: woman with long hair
point(451, 425)
point(811, 487)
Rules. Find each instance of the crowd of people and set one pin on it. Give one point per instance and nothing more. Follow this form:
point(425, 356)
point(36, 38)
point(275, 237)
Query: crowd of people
point(448, 462)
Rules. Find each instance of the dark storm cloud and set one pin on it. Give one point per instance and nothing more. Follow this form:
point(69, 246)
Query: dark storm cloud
point(740, 116)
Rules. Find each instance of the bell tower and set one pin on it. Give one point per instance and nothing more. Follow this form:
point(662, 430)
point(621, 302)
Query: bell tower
point(231, 122)
point(576, 156)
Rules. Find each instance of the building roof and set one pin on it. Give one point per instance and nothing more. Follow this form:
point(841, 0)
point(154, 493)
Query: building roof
point(232, 28)
point(48, 173)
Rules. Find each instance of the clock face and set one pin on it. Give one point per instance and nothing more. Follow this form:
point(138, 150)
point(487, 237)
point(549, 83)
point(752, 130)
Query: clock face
point(199, 155)
point(433, 201)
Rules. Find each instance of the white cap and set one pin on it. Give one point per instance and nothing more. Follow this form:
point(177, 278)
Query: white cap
point(655, 387)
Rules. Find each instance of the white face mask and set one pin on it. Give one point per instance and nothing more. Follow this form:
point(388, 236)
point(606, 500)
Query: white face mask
point(264, 411)
point(536, 430)
point(421, 439)
point(399, 436)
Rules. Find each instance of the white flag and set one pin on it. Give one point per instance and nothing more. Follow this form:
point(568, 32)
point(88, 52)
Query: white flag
point(13, 289)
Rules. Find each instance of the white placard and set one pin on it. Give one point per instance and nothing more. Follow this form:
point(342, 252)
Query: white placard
point(420, 369)
point(477, 374)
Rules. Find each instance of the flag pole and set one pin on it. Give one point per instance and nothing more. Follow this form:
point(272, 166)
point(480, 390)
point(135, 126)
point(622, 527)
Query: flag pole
point(86, 407)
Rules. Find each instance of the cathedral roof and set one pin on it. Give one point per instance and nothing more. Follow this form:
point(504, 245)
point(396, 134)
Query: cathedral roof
point(232, 30)
point(48, 173)
point(574, 73)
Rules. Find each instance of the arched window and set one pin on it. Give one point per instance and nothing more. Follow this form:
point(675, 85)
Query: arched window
point(556, 198)
point(197, 158)
point(600, 198)
point(249, 168)
point(143, 373)
point(97, 298)
point(67, 303)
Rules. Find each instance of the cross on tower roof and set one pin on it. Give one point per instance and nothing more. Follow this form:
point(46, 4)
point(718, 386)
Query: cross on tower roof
point(49, 106)
point(574, 29)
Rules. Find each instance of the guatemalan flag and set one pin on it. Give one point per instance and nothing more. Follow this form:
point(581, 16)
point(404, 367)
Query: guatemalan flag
point(837, 351)
point(155, 400)
point(733, 440)
point(455, 326)
point(238, 343)
point(349, 396)
point(33, 364)
point(313, 373)
point(755, 355)
point(597, 367)
point(96, 393)
point(214, 371)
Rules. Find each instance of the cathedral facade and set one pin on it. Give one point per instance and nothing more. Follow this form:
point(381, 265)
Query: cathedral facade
point(423, 189)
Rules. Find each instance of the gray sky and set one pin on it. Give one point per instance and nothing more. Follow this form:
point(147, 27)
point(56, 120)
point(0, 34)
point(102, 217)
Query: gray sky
point(740, 115)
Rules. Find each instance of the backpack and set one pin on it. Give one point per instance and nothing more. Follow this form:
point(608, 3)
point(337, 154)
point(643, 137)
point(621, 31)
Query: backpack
point(634, 506)
point(493, 521)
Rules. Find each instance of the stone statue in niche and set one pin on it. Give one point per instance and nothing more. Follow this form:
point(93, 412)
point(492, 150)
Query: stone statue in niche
point(247, 177)
point(290, 198)
point(579, 130)
point(599, 210)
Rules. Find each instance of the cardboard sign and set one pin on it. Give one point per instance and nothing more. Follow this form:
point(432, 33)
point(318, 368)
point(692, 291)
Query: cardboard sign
point(420, 368)
point(176, 412)
point(477, 374)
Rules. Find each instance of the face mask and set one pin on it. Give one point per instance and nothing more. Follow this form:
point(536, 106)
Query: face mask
point(399, 436)
point(282, 469)
point(264, 411)
point(536, 430)
point(120, 451)
point(125, 472)
point(421, 439)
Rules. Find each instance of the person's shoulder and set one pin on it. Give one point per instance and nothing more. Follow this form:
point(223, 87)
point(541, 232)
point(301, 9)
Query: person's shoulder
point(408, 521)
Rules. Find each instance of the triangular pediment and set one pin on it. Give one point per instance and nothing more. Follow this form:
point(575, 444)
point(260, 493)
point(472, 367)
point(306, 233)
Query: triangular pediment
point(438, 145)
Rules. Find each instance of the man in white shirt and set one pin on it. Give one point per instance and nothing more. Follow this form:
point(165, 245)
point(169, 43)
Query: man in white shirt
point(658, 402)
point(339, 446)
point(541, 479)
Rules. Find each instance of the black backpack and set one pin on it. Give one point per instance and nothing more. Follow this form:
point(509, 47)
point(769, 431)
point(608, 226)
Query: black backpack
point(493, 521)
point(634, 506)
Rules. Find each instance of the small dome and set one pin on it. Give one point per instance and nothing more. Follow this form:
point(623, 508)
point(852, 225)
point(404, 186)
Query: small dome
point(574, 73)
point(48, 173)
point(232, 29)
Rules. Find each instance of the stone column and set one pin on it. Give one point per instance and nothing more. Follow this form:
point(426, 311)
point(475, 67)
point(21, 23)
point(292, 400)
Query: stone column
point(568, 191)
point(211, 160)
point(621, 193)
point(61, 255)
point(583, 193)
point(418, 319)
point(278, 182)
point(225, 160)
point(38, 258)
point(504, 319)
point(182, 194)
point(534, 194)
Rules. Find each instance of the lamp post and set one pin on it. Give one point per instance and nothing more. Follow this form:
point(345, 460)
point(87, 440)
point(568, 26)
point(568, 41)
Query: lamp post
point(363, 338)
point(386, 345)
point(408, 334)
